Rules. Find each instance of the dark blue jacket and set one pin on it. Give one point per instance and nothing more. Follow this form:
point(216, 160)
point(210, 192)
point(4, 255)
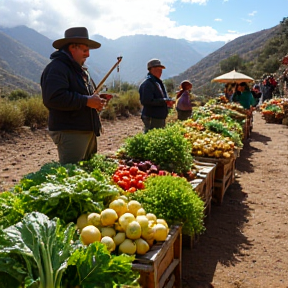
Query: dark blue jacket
point(152, 99)
point(65, 95)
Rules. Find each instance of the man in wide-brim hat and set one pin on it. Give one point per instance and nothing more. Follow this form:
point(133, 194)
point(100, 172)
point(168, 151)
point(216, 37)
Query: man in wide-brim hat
point(68, 93)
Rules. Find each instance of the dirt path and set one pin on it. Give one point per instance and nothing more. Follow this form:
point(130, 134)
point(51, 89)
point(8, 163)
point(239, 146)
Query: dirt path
point(25, 151)
point(246, 241)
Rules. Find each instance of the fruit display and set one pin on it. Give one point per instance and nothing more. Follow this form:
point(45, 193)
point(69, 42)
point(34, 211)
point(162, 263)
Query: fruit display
point(231, 109)
point(221, 124)
point(273, 110)
point(124, 227)
point(209, 144)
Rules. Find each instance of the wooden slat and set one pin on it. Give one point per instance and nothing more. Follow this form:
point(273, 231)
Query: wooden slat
point(168, 272)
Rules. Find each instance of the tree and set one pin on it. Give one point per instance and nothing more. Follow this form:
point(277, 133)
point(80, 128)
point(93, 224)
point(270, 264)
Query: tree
point(231, 63)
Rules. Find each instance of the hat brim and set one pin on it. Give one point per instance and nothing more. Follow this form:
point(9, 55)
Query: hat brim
point(58, 44)
point(161, 66)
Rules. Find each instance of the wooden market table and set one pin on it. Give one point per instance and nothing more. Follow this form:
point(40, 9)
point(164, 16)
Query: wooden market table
point(161, 266)
point(224, 174)
point(203, 184)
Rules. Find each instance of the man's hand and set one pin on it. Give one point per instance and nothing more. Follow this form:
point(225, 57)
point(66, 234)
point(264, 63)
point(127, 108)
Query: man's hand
point(96, 102)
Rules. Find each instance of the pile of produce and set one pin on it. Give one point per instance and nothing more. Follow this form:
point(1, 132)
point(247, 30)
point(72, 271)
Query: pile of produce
point(93, 218)
point(209, 144)
point(168, 148)
point(273, 110)
point(173, 199)
point(231, 109)
point(221, 124)
point(124, 227)
point(84, 208)
point(41, 253)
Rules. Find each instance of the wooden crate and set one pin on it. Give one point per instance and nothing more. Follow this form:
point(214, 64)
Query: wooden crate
point(248, 126)
point(204, 183)
point(161, 266)
point(224, 175)
point(222, 183)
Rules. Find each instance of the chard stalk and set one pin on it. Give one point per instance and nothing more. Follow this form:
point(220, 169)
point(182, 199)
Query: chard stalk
point(48, 270)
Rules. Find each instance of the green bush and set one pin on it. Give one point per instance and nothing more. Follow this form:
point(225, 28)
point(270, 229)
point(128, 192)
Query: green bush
point(11, 116)
point(36, 114)
point(173, 199)
point(18, 94)
point(165, 147)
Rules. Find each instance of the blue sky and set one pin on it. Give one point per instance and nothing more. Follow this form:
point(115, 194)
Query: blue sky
point(194, 20)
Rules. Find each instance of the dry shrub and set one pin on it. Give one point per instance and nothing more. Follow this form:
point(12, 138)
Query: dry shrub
point(109, 112)
point(11, 116)
point(36, 114)
point(122, 105)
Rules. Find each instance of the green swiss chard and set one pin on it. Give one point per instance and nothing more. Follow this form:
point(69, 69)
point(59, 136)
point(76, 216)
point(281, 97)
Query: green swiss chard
point(40, 253)
point(37, 250)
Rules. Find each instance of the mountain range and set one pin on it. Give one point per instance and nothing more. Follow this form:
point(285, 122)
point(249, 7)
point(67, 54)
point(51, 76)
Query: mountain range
point(24, 53)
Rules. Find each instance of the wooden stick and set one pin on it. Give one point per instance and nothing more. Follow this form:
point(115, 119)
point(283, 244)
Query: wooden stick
point(107, 75)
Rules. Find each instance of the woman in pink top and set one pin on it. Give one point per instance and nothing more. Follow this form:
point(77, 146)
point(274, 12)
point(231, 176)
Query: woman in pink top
point(183, 106)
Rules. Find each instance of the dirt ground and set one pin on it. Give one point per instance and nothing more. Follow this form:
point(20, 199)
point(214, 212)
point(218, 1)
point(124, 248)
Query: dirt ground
point(246, 239)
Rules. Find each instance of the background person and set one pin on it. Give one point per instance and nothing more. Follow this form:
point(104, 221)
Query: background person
point(68, 93)
point(154, 98)
point(184, 106)
point(243, 95)
point(256, 94)
point(245, 98)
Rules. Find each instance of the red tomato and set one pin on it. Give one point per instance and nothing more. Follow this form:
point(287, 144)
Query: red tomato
point(132, 189)
point(124, 185)
point(126, 173)
point(134, 182)
point(139, 177)
point(141, 173)
point(133, 170)
point(140, 185)
point(126, 178)
point(116, 178)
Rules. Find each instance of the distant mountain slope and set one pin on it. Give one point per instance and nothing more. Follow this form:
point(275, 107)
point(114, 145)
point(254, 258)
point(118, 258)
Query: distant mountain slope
point(31, 39)
point(176, 55)
point(247, 47)
point(25, 53)
point(19, 60)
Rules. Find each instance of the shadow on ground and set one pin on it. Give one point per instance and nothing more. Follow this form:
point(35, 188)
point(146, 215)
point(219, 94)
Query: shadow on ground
point(243, 163)
point(223, 239)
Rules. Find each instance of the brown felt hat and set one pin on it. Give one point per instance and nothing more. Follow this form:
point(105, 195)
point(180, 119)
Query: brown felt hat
point(76, 35)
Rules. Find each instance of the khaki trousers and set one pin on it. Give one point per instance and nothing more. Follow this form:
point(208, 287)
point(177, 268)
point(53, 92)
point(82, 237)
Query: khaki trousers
point(151, 123)
point(74, 146)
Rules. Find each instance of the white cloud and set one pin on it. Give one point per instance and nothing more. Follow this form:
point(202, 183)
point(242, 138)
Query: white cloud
point(201, 2)
point(252, 13)
point(247, 20)
point(110, 18)
point(218, 20)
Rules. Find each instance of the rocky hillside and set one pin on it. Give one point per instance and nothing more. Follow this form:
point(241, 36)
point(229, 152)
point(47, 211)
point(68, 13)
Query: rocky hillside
point(247, 47)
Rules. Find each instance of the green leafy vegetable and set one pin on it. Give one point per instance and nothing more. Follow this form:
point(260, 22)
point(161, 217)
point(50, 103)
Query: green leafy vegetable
point(173, 199)
point(100, 162)
point(44, 247)
point(66, 193)
point(97, 268)
point(166, 147)
point(40, 253)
